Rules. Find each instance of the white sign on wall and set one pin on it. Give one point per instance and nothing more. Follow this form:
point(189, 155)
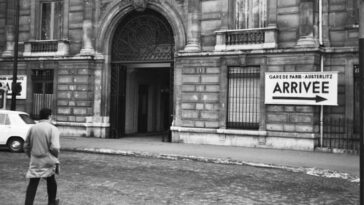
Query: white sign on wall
point(301, 88)
point(7, 80)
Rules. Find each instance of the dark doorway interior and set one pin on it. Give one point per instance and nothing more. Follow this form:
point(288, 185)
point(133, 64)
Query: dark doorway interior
point(147, 100)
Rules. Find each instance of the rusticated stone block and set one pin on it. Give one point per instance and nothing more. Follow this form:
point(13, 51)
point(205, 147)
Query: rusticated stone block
point(304, 128)
point(188, 123)
point(190, 114)
point(305, 109)
point(210, 124)
point(274, 127)
point(64, 94)
point(289, 127)
point(212, 88)
point(275, 108)
point(79, 111)
point(80, 119)
point(199, 106)
point(80, 95)
point(190, 79)
point(81, 79)
point(188, 106)
point(210, 97)
point(188, 88)
point(188, 97)
point(65, 79)
point(210, 79)
point(62, 102)
point(210, 115)
point(64, 110)
point(297, 118)
point(189, 70)
point(84, 103)
point(277, 118)
point(199, 124)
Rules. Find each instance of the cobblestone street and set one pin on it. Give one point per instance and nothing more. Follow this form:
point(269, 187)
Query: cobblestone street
point(98, 179)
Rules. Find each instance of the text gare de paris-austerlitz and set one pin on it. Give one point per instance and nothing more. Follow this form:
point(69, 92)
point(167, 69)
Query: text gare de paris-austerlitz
point(302, 86)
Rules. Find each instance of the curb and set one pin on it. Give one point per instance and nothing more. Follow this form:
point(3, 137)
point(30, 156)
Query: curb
point(307, 170)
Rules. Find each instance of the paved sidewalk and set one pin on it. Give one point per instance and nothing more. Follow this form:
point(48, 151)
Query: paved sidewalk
point(316, 163)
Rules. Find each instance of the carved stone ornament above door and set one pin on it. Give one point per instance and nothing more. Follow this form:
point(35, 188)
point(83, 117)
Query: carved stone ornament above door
point(140, 5)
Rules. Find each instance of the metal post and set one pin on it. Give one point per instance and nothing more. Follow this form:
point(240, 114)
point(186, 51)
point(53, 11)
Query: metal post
point(15, 68)
point(361, 93)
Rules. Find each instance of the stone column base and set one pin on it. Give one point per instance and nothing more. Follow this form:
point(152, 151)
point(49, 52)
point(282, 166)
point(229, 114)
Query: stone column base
point(307, 42)
point(95, 126)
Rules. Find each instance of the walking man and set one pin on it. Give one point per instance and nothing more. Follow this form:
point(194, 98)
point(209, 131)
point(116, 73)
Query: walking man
point(42, 147)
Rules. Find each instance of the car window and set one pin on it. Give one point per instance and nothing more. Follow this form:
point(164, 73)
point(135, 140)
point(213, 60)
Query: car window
point(26, 119)
point(4, 119)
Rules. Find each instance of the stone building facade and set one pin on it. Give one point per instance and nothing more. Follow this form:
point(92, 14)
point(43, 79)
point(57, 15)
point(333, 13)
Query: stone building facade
point(194, 68)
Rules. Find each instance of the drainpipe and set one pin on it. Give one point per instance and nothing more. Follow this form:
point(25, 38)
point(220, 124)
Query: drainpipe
point(321, 69)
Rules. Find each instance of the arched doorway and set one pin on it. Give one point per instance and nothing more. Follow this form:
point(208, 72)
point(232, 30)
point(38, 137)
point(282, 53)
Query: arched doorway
point(141, 75)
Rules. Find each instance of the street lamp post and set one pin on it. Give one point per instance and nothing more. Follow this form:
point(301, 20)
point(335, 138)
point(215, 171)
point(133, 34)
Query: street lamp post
point(15, 66)
point(361, 83)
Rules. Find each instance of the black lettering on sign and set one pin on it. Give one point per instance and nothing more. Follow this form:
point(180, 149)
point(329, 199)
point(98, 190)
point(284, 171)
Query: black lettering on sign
point(325, 87)
point(299, 87)
point(293, 87)
point(316, 87)
point(307, 86)
point(285, 87)
point(277, 88)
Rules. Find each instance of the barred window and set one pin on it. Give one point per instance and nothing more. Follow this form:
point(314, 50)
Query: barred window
point(243, 97)
point(250, 14)
point(356, 121)
point(51, 20)
point(43, 95)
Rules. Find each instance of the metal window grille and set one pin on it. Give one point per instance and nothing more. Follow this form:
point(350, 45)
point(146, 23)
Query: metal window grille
point(43, 96)
point(356, 122)
point(243, 97)
point(339, 134)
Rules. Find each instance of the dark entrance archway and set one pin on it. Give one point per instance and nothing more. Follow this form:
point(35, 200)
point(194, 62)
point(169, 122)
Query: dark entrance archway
point(141, 75)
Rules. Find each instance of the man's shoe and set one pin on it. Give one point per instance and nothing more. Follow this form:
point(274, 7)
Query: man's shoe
point(56, 202)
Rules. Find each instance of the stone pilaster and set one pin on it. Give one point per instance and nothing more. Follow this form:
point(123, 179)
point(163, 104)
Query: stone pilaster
point(9, 35)
point(306, 26)
point(272, 13)
point(87, 28)
point(225, 14)
point(9, 29)
point(193, 26)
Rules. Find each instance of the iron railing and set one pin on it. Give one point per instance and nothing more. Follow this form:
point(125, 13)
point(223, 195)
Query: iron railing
point(246, 37)
point(339, 133)
point(243, 98)
point(44, 46)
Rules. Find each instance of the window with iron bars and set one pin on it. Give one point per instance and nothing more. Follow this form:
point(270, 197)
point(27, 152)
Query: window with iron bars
point(43, 95)
point(243, 110)
point(356, 124)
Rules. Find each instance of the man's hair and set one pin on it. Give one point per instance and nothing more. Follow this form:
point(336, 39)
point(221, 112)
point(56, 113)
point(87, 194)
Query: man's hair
point(45, 113)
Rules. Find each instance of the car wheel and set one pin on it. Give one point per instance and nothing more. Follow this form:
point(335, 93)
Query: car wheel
point(16, 145)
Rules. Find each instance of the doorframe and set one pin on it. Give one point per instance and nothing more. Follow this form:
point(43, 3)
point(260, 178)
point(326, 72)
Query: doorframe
point(138, 64)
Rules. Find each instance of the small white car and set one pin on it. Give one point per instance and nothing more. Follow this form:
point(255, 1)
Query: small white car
point(14, 126)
